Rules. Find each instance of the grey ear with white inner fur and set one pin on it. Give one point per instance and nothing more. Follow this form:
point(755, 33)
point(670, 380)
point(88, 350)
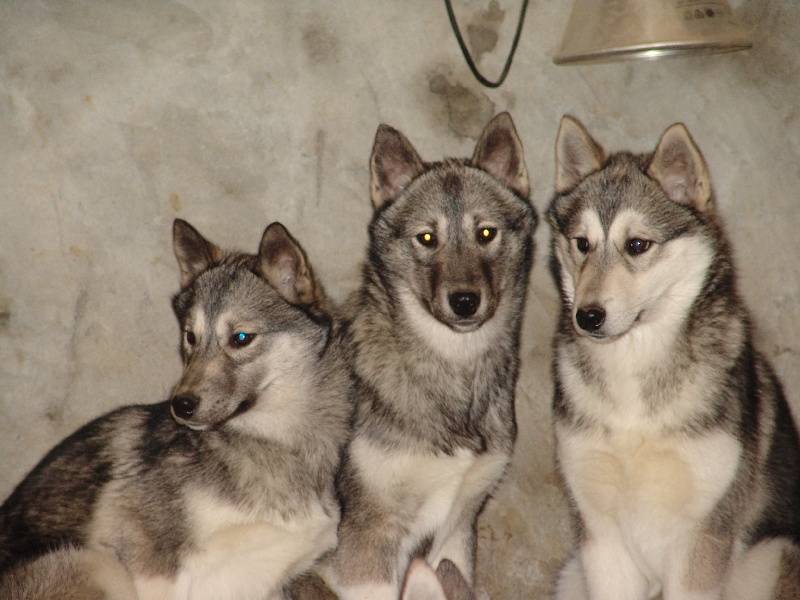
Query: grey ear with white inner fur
point(283, 264)
point(393, 165)
point(679, 168)
point(577, 154)
point(499, 153)
point(194, 253)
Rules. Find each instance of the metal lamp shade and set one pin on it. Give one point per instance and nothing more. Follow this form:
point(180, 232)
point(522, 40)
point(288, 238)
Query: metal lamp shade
point(605, 30)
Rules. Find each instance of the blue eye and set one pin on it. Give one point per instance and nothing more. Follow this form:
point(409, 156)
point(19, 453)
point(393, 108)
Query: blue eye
point(240, 339)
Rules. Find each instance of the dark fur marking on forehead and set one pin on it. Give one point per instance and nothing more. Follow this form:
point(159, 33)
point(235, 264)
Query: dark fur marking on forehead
point(451, 185)
point(625, 174)
point(622, 182)
point(232, 264)
point(621, 165)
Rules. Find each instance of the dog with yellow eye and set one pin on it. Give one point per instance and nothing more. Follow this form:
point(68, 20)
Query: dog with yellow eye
point(433, 342)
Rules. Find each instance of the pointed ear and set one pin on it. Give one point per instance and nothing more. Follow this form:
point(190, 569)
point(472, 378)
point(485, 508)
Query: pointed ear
point(421, 582)
point(499, 153)
point(453, 581)
point(393, 165)
point(577, 154)
point(284, 265)
point(680, 170)
point(195, 254)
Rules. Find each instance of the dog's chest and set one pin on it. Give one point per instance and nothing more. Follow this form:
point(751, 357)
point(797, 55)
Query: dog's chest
point(617, 389)
point(646, 485)
point(208, 514)
point(630, 455)
point(249, 553)
point(632, 468)
point(425, 487)
point(220, 528)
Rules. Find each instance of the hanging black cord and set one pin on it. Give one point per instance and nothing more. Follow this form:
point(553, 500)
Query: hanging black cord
point(468, 58)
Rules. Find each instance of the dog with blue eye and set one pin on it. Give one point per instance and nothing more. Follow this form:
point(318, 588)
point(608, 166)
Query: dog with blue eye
point(226, 490)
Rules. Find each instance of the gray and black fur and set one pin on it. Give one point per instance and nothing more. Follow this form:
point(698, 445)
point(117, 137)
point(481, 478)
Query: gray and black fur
point(248, 444)
point(69, 574)
point(705, 397)
point(433, 339)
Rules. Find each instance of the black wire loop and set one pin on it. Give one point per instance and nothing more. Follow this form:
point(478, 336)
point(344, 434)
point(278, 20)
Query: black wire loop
point(468, 57)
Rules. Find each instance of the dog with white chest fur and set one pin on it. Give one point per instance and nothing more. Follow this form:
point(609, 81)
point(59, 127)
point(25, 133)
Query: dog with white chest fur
point(677, 446)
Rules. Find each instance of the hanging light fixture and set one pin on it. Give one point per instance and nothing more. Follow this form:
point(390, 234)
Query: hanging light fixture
point(606, 30)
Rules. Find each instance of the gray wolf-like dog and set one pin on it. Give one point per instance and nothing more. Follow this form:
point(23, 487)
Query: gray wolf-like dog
point(227, 490)
point(433, 339)
point(676, 443)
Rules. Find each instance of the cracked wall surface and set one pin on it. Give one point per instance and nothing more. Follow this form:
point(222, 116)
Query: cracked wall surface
point(119, 116)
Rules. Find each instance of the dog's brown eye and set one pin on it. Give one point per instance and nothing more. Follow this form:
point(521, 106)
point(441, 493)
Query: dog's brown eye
point(190, 339)
point(637, 246)
point(486, 234)
point(241, 339)
point(427, 239)
point(582, 244)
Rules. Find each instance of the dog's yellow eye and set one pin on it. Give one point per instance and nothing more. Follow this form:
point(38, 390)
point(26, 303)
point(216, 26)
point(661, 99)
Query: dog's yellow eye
point(486, 234)
point(427, 239)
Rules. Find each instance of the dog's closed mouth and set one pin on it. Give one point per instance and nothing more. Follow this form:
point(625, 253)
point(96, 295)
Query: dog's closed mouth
point(243, 407)
point(461, 324)
point(601, 335)
point(466, 325)
point(193, 425)
point(458, 324)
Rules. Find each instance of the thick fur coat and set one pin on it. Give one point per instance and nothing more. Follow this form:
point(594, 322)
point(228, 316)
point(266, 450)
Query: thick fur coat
point(677, 446)
point(226, 491)
point(433, 340)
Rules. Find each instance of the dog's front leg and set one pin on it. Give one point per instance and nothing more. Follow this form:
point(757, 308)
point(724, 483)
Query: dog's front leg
point(697, 565)
point(369, 591)
point(455, 539)
point(257, 559)
point(162, 588)
point(571, 583)
point(353, 586)
point(610, 571)
point(459, 547)
point(366, 563)
point(676, 587)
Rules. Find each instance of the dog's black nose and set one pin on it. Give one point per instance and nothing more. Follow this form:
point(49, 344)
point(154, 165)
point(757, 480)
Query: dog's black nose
point(464, 304)
point(183, 407)
point(590, 319)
